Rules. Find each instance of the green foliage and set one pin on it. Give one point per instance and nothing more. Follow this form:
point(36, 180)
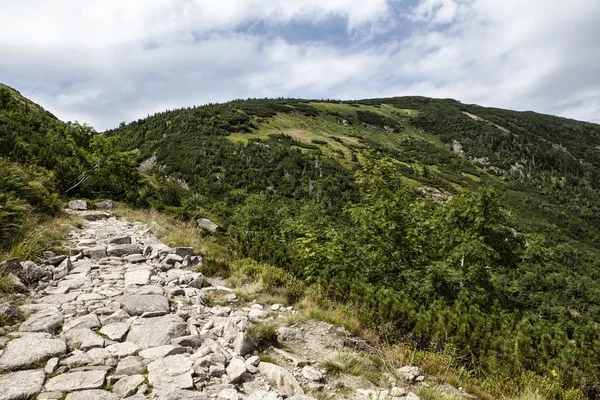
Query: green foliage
point(264, 335)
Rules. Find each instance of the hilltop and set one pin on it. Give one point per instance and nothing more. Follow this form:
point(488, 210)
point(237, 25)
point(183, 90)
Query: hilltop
point(461, 230)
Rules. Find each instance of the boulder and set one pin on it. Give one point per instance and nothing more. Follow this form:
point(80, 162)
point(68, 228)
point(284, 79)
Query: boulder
point(236, 369)
point(120, 240)
point(207, 225)
point(312, 374)
point(56, 260)
point(95, 216)
point(34, 272)
point(140, 276)
point(79, 380)
point(30, 349)
point(289, 334)
point(410, 373)
point(243, 344)
point(89, 321)
point(158, 331)
point(115, 331)
point(83, 339)
point(9, 312)
point(105, 205)
point(95, 253)
point(130, 366)
point(21, 385)
point(78, 205)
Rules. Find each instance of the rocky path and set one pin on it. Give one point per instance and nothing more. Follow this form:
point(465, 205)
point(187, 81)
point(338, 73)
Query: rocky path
point(126, 317)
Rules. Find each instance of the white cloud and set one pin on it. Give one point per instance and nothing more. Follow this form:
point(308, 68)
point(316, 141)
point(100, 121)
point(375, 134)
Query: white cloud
point(104, 62)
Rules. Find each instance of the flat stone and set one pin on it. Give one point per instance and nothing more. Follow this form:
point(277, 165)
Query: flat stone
point(120, 240)
point(139, 276)
point(115, 331)
point(193, 341)
point(255, 314)
point(264, 395)
point(79, 380)
point(50, 396)
point(30, 349)
point(95, 253)
point(90, 297)
point(89, 321)
point(281, 379)
point(51, 365)
point(121, 350)
point(153, 332)
point(77, 359)
point(120, 250)
point(177, 394)
point(130, 366)
point(95, 394)
point(117, 316)
point(60, 299)
point(139, 304)
point(228, 394)
point(171, 372)
point(83, 339)
point(127, 385)
point(312, 374)
point(47, 319)
point(289, 334)
point(21, 385)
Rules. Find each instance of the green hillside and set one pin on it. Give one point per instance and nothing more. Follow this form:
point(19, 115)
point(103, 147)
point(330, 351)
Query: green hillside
point(446, 224)
point(468, 231)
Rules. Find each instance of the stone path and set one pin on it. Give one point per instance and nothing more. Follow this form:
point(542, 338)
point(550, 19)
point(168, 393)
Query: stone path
point(126, 318)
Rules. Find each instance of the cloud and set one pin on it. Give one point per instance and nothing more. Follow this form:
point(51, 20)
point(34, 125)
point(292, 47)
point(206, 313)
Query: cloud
point(105, 62)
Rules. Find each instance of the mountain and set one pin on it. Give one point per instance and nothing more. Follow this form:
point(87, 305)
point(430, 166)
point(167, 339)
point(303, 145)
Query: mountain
point(461, 229)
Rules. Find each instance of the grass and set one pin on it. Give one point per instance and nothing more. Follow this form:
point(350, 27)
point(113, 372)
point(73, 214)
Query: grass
point(50, 234)
point(264, 335)
point(353, 364)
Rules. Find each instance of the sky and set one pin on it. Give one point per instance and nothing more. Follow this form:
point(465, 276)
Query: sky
point(102, 62)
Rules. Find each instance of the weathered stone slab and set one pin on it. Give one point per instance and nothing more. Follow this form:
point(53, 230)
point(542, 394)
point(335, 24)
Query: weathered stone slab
point(79, 380)
point(116, 331)
point(120, 250)
point(21, 385)
point(282, 379)
point(171, 372)
point(94, 394)
point(47, 319)
point(140, 276)
point(127, 385)
point(158, 331)
point(30, 349)
point(139, 304)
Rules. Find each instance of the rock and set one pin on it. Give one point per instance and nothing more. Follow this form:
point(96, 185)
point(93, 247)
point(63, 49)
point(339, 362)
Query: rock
point(152, 332)
point(17, 284)
point(76, 359)
point(94, 394)
point(95, 253)
point(216, 370)
point(197, 281)
point(281, 379)
point(193, 341)
point(83, 339)
point(228, 394)
point(183, 251)
point(236, 369)
point(207, 225)
point(398, 392)
point(21, 385)
point(115, 331)
point(33, 272)
point(56, 260)
point(62, 270)
point(50, 396)
point(140, 276)
point(255, 314)
point(153, 353)
point(105, 205)
point(78, 205)
point(95, 216)
point(264, 395)
point(89, 321)
point(410, 373)
point(79, 380)
point(289, 334)
point(30, 349)
point(412, 396)
point(139, 304)
point(243, 344)
point(252, 364)
point(117, 316)
point(120, 240)
point(127, 385)
point(9, 313)
point(51, 365)
point(171, 259)
point(120, 250)
point(130, 366)
point(312, 374)
point(122, 350)
point(171, 372)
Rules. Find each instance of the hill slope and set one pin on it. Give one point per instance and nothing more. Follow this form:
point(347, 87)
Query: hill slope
point(351, 197)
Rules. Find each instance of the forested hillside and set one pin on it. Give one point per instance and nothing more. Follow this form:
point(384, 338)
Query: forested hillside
point(446, 224)
point(457, 228)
